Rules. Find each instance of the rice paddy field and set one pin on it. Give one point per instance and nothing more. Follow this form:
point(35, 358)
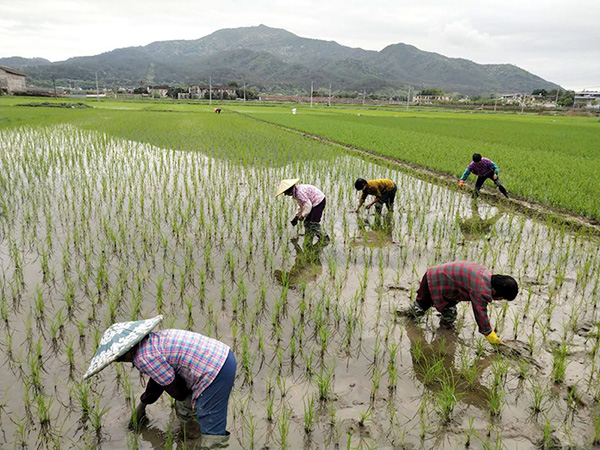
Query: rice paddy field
point(548, 159)
point(123, 212)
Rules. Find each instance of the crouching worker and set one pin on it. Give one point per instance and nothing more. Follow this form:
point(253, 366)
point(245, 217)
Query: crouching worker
point(484, 168)
point(462, 281)
point(383, 189)
point(311, 204)
point(197, 371)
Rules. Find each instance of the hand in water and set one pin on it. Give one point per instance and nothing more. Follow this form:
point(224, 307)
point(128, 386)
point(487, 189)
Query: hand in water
point(139, 418)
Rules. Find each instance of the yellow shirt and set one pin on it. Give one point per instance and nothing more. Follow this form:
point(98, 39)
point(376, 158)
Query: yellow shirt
point(377, 187)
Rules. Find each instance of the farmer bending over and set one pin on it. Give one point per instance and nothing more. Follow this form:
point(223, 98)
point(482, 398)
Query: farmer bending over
point(383, 189)
point(311, 204)
point(484, 168)
point(197, 371)
point(462, 281)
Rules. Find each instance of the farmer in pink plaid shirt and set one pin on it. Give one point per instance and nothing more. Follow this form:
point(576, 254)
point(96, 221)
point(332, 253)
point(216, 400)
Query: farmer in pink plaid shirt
point(311, 204)
point(445, 285)
point(197, 371)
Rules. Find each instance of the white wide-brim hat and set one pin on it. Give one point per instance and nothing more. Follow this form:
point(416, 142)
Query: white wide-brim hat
point(285, 185)
point(118, 340)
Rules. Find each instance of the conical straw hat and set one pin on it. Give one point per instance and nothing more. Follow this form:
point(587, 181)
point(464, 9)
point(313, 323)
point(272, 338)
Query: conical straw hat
point(118, 340)
point(285, 185)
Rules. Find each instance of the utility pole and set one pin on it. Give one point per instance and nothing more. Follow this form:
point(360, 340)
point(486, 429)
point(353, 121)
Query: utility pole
point(523, 104)
point(556, 101)
point(329, 100)
point(311, 93)
point(97, 90)
point(210, 90)
point(407, 98)
point(244, 92)
point(363, 103)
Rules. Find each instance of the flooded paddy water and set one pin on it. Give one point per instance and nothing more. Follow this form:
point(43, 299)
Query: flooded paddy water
point(96, 229)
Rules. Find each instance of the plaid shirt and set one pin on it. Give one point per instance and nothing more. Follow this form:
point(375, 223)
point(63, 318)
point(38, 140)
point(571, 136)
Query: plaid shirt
point(196, 358)
point(462, 281)
point(307, 197)
point(377, 188)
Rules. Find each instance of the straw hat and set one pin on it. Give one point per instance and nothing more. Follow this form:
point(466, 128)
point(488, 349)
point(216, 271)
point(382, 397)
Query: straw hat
point(118, 340)
point(285, 185)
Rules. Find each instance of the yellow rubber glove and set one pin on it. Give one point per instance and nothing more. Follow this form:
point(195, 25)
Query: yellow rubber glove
point(460, 183)
point(493, 338)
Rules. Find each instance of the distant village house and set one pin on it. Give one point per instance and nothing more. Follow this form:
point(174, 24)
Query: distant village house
point(218, 91)
point(420, 98)
point(11, 81)
point(587, 99)
point(158, 91)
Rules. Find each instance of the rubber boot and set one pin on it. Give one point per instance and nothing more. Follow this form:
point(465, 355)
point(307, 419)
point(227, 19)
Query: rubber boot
point(186, 413)
point(314, 229)
point(213, 441)
point(448, 317)
point(189, 431)
point(501, 187)
point(323, 238)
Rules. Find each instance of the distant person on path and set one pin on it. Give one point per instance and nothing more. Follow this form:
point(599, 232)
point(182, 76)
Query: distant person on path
point(484, 168)
point(311, 204)
point(383, 189)
point(218, 110)
point(197, 371)
point(445, 285)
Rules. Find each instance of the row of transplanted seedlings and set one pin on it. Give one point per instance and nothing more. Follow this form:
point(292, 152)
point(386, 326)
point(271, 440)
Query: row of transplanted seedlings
point(96, 230)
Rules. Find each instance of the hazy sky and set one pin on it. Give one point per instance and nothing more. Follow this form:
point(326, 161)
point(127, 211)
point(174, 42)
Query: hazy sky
point(558, 40)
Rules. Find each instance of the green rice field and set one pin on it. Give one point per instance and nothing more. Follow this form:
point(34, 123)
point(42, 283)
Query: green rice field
point(128, 210)
point(548, 159)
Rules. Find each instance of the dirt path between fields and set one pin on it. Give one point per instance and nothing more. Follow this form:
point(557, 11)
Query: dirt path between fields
point(531, 208)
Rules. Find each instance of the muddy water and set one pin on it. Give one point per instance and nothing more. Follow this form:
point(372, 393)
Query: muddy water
point(96, 230)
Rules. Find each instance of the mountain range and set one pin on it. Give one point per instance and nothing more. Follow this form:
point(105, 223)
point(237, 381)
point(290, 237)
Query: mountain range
point(275, 60)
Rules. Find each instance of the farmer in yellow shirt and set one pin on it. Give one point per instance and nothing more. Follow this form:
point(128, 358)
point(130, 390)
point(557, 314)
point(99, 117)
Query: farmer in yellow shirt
point(383, 189)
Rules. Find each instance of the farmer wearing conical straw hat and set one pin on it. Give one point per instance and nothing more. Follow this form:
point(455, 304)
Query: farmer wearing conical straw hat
point(484, 168)
point(197, 371)
point(383, 189)
point(445, 285)
point(311, 204)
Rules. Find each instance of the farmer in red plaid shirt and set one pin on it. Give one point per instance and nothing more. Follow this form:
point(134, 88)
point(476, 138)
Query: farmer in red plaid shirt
point(463, 281)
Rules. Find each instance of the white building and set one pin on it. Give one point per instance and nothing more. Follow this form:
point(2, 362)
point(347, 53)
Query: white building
point(218, 91)
point(430, 99)
point(588, 99)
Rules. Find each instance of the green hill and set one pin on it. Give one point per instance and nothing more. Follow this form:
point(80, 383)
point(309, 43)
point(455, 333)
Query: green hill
point(276, 60)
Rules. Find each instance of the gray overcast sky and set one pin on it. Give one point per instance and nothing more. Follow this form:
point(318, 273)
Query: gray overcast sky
point(558, 40)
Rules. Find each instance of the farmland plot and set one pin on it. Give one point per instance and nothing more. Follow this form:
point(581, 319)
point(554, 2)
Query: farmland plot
point(97, 229)
point(550, 160)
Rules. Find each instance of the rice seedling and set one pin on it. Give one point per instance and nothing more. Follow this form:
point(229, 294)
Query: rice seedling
point(447, 398)
point(560, 362)
point(309, 415)
point(283, 426)
point(324, 381)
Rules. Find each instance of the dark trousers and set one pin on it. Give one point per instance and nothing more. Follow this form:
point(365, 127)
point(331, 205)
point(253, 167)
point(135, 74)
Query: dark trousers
point(211, 406)
point(316, 213)
point(423, 302)
point(481, 180)
point(386, 199)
